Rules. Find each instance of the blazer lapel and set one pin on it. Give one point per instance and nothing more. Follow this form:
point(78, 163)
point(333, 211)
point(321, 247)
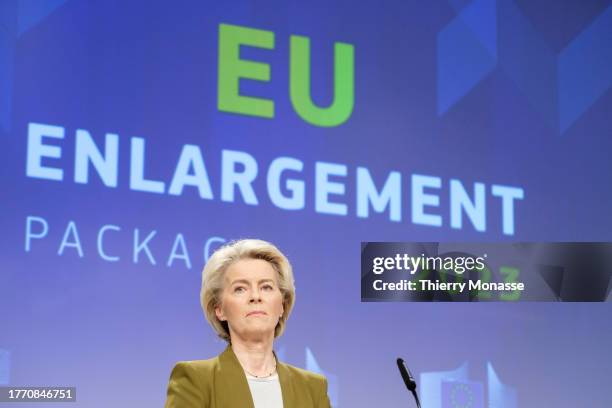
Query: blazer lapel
point(286, 383)
point(233, 390)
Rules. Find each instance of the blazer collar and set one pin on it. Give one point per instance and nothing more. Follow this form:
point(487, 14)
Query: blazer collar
point(233, 377)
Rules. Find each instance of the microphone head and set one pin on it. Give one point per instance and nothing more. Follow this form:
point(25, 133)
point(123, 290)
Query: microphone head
point(406, 375)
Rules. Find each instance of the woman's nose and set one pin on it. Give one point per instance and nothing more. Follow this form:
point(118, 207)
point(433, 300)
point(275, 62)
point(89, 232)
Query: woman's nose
point(255, 296)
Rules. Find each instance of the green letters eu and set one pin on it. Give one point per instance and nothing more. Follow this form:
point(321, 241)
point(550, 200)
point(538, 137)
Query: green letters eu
point(344, 95)
point(232, 69)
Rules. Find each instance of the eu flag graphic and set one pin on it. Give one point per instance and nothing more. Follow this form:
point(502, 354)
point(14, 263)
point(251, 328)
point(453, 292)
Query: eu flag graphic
point(462, 394)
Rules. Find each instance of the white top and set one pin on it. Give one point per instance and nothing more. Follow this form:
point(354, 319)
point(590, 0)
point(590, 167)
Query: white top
point(266, 392)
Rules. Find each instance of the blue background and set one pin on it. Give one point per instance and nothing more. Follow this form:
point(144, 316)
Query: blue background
point(501, 92)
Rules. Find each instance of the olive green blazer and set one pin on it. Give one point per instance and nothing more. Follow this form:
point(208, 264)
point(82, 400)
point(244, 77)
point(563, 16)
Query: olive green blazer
point(221, 383)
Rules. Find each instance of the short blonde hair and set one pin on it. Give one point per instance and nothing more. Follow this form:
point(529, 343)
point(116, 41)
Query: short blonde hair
point(213, 279)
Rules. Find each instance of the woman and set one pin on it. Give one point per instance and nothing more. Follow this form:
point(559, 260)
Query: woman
point(247, 295)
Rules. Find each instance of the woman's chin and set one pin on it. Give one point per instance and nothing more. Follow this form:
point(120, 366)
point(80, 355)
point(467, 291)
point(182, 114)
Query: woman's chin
point(259, 329)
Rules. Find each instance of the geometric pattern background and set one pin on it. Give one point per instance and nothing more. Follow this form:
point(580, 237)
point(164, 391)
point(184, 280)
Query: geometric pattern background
point(487, 35)
point(16, 17)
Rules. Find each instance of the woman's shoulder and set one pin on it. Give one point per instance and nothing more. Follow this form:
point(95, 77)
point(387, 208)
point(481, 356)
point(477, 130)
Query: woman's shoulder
point(306, 382)
point(190, 384)
point(298, 373)
point(197, 366)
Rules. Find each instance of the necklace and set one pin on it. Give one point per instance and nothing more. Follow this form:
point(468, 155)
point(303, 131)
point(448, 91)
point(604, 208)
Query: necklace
point(261, 376)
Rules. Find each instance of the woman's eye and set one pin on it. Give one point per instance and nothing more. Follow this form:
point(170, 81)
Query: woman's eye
point(268, 287)
point(238, 289)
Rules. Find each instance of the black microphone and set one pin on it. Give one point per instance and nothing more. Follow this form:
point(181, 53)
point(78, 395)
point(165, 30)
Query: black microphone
point(408, 380)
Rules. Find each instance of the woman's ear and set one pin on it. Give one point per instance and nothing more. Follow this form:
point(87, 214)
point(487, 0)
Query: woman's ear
point(219, 313)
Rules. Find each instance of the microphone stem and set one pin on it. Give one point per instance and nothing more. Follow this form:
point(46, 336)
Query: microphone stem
point(416, 398)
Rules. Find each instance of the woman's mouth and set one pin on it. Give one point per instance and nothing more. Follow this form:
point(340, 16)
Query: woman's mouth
point(257, 313)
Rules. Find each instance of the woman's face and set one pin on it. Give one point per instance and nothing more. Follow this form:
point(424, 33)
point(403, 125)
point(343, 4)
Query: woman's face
point(251, 301)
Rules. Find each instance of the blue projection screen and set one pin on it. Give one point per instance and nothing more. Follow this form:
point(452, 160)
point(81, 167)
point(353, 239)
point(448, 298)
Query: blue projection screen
point(139, 136)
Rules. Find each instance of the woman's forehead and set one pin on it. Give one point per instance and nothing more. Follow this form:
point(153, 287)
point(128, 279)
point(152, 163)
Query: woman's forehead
point(250, 269)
